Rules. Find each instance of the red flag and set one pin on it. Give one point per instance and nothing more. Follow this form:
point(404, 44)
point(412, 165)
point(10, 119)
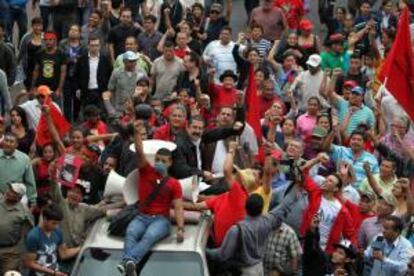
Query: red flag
point(43, 136)
point(253, 105)
point(397, 72)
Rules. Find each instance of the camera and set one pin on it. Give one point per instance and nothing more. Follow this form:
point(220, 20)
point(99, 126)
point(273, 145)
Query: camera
point(378, 244)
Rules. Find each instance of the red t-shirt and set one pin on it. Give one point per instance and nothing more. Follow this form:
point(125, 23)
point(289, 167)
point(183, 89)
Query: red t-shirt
point(99, 128)
point(266, 104)
point(222, 97)
point(228, 209)
point(181, 53)
point(161, 205)
point(293, 11)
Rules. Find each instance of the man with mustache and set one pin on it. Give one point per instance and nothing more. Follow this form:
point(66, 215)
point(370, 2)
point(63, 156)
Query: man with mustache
point(187, 156)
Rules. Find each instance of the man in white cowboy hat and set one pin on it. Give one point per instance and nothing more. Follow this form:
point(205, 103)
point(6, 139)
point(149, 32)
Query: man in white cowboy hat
point(15, 223)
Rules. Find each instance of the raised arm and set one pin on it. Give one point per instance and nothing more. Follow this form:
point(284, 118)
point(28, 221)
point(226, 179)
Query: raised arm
point(142, 160)
point(405, 184)
point(371, 180)
point(52, 130)
point(330, 92)
point(227, 13)
point(229, 162)
point(267, 174)
point(101, 137)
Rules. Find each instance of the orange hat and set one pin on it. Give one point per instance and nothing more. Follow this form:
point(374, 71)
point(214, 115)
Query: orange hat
point(305, 25)
point(44, 90)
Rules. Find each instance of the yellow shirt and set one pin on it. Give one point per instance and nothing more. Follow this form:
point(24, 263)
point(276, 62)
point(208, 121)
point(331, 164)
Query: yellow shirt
point(385, 186)
point(267, 197)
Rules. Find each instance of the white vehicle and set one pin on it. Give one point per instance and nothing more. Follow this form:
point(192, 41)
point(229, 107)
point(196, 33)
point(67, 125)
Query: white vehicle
point(101, 253)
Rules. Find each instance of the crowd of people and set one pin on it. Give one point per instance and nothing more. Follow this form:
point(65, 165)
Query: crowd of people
point(312, 175)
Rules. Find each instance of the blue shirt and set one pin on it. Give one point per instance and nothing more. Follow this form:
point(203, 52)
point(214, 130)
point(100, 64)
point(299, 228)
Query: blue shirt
point(45, 248)
point(396, 257)
point(341, 153)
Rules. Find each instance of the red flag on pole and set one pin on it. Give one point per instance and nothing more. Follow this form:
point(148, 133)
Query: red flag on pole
point(253, 105)
point(43, 136)
point(397, 72)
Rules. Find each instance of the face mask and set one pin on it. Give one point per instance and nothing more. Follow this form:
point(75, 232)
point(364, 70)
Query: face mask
point(160, 168)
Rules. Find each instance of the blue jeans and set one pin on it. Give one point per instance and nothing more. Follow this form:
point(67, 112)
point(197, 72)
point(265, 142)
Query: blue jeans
point(142, 233)
point(17, 15)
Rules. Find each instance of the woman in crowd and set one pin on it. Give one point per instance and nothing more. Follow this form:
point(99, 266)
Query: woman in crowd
point(20, 127)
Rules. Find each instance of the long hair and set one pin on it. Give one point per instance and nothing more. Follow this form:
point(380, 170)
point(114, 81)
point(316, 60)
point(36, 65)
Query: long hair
point(20, 111)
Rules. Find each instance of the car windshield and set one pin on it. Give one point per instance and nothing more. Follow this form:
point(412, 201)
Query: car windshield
point(103, 262)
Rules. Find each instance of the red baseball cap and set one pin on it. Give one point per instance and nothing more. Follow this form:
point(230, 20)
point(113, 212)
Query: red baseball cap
point(350, 84)
point(305, 25)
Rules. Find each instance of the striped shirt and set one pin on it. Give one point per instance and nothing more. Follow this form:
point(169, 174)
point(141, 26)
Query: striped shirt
point(263, 46)
point(340, 153)
point(363, 116)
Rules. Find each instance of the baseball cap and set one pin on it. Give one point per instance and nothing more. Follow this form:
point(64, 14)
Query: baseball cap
point(389, 199)
point(129, 55)
point(350, 83)
point(306, 25)
point(49, 35)
point(18, 188)
point(216, 7)
point(320, 132)
point(314, 60)
point(358, 90)
point(44, 90)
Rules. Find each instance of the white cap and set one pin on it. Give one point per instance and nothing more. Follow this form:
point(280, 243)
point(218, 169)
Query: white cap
point(18, 188)
point(12, 273)
point(314, 60)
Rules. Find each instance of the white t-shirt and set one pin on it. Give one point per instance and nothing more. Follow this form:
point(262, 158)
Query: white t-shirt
point(328, 211)
point(221, 57)
point(308, 86)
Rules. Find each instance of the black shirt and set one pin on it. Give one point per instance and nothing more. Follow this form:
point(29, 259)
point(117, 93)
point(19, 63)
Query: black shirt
point(49, 68)
point(118, 34)
point(214, 28)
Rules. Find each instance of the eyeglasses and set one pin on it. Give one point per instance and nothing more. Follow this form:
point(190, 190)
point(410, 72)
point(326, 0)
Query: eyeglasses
point(216, 12)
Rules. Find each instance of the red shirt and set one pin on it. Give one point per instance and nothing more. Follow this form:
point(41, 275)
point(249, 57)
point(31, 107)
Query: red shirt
point(222, 97)
point(181, 53)
point(356, 214)
point(100, 127)
point(293, 11)
point(162, 203)
point(266, 104)
point(228, 209)
point(343, 226)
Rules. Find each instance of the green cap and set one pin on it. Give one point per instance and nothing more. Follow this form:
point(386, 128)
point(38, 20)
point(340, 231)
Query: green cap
point(320, 132)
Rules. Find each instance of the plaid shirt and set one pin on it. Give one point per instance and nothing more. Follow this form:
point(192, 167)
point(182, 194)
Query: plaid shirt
point(283, 245)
